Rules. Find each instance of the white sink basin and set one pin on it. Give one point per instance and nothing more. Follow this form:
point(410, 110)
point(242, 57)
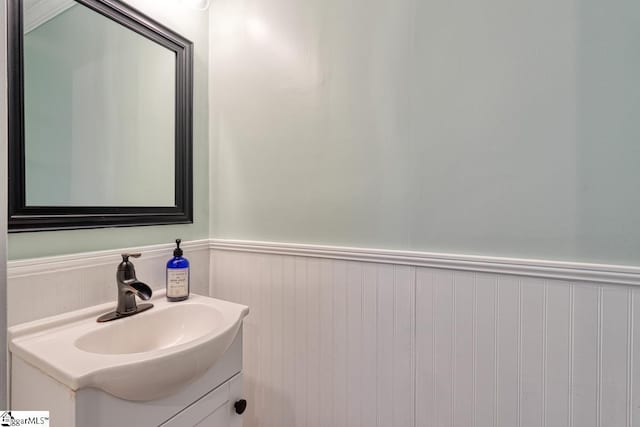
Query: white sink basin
point(165, 328)
point(143, 357)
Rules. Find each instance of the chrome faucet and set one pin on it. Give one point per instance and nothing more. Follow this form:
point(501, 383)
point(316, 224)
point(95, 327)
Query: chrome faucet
point(128, 288)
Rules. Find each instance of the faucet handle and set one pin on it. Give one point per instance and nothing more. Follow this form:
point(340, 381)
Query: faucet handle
point(126, 270)
point(125, 257)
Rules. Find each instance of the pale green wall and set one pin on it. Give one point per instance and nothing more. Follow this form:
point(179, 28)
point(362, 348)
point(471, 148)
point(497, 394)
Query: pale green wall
point(494, 128)
point(194, 26)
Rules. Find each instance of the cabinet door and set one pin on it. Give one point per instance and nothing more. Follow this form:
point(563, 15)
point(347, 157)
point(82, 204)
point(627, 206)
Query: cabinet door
point(212, 410)
point(220, 418)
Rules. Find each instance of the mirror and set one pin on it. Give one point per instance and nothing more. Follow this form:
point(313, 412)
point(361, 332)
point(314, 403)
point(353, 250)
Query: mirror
point(100, 117)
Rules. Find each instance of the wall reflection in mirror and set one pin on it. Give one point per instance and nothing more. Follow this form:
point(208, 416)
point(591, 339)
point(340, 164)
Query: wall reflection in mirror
point(99, 111)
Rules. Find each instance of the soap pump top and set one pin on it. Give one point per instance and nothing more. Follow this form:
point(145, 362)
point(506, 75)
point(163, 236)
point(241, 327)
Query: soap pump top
point(177, 252)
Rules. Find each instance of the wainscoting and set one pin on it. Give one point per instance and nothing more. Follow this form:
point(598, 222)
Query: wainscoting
point(357, 338)
point(348, 338)
point(42, 287)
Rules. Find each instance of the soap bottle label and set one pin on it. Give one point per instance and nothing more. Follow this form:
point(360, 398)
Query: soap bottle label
point(177, 282)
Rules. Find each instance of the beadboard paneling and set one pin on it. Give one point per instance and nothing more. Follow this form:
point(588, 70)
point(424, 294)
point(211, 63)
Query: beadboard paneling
point(42, 287)
point(333, 342)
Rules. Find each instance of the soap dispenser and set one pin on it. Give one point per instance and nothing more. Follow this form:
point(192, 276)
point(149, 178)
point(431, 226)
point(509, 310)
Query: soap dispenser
point(177, 276)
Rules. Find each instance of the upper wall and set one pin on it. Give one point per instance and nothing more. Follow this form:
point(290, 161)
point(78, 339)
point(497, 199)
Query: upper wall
point(193, 25)
point(493, 128)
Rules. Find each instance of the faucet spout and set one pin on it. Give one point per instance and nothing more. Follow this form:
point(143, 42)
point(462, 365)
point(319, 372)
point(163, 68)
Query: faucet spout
point(142, 290)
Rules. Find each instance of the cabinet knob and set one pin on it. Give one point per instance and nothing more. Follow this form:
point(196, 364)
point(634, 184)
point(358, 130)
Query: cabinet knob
point(240, 406)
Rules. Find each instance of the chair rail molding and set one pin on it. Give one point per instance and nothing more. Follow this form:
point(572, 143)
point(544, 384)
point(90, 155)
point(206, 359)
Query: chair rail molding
point(561, 270)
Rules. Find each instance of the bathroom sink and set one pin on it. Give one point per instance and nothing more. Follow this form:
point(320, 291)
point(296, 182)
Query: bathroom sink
point(175, 325)
point(143, 357)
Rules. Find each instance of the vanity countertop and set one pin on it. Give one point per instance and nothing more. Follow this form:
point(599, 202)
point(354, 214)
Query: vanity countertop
point(142, 357)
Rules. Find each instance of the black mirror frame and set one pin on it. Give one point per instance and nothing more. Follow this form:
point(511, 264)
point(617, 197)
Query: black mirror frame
point(24, 218)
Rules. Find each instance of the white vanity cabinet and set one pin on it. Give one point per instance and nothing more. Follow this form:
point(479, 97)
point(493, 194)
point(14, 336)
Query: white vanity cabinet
point(208, 401)
point(178, 364)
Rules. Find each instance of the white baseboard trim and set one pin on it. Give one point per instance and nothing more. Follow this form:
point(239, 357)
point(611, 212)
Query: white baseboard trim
point(570, 271)
point(23, 267)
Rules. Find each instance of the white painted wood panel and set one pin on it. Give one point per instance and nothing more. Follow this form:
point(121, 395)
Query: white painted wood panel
point(286, 405)
point(355, 276)
point(338, 323)
point(586, 360)
point(369, 360)
point(277, 332)
point(385, 351)
point(614, 352)
point(485, 386)
point(312, 343)
point(532, 349)
point(334, 342)
point(557, 336)
point(443, 352)
point(463, 349)
point(403, 343)
point(355, 343)
point(325, 312)
point(70, 282)
point(508, 356)
point(425, 384)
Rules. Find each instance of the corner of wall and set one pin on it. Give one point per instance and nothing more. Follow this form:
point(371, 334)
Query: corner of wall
point(3, 205)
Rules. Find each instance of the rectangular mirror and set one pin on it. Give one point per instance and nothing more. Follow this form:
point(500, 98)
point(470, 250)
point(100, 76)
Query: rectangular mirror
point(100, 117)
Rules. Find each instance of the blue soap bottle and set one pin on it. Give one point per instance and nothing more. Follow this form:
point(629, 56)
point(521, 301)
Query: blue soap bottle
point(177, 276)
